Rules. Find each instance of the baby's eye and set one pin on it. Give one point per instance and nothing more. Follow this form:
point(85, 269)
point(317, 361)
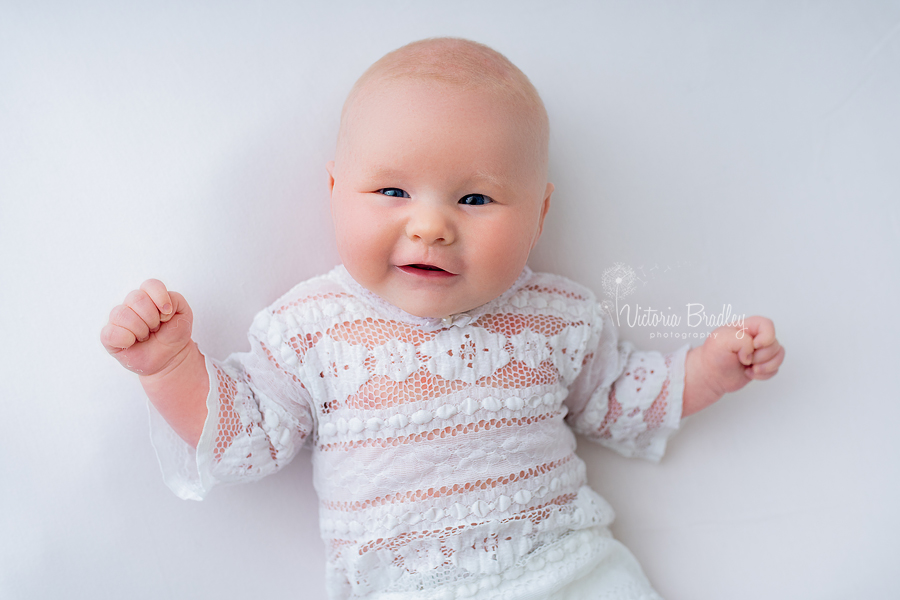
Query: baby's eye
point(393, 192)
point(475, 200)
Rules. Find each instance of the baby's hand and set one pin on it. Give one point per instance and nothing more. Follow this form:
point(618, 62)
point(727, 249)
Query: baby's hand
point(728, 360)
point(149, 329)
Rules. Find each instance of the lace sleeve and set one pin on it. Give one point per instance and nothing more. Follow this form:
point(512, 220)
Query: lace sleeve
point(258, 417)
point(627, 400)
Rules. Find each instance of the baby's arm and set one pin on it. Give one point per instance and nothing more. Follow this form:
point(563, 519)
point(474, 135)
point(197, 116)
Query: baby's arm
point(625, 399)
point(228, 421)
point(728, 360)
point(150, 334)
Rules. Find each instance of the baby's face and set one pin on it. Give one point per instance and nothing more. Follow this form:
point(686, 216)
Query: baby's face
point(436, 196)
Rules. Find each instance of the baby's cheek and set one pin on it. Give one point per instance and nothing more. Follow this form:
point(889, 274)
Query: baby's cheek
point(510, 247)
point(356, 225)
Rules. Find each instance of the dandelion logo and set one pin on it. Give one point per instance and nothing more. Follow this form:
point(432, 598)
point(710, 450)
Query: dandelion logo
point(618, 281)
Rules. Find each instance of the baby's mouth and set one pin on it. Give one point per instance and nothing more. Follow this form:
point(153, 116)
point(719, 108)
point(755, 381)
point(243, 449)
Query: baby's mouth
point(425, 270)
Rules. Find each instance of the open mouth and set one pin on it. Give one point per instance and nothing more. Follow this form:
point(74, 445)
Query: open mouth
point(426, 267)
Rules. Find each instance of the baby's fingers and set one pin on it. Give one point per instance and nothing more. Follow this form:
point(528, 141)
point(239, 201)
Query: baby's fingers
point(761, 330)
point(125, 317)
point(766, 354)
point(145, 308)
point(728, 339)
point(155, 291)
point(116, 338)
point(767, 369)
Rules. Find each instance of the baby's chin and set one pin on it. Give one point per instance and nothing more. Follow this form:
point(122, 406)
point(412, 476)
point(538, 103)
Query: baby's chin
point(429, 310)
point(433, 305)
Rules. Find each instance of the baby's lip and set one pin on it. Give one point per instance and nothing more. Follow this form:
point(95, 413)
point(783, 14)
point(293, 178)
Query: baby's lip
point(425, 270)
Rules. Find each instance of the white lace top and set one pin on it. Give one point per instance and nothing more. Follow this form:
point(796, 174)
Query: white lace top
point(443, 451)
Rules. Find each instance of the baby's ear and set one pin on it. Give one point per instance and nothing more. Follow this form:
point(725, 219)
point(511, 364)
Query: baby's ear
point(329, 166)
point(545, 206)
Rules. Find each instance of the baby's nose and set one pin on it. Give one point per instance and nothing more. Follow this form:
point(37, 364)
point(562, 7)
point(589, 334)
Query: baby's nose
point(430, 225)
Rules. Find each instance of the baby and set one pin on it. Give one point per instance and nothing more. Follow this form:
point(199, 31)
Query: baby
point(436, 377)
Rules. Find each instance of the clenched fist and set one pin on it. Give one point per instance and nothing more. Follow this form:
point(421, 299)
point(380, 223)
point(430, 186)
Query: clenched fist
point(149, 330)
point(728, 360)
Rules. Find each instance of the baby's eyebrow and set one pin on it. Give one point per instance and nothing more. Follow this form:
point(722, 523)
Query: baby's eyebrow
point(488, 178)
point(381, 173)
point(386, 173)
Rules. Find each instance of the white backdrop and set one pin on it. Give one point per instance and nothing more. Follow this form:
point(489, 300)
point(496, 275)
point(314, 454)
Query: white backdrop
point(731, 155)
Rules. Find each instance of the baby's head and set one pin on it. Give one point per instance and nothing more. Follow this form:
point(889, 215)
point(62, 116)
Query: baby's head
point(439, 183)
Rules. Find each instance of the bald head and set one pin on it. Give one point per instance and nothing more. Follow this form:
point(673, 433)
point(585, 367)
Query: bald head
point(461, 66)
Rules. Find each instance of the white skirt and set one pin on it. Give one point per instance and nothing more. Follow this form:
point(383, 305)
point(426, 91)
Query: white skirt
point(607, 571)
point(617, 577)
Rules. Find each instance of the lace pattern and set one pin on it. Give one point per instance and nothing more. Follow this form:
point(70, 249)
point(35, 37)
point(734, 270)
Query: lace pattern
point(443, 452)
